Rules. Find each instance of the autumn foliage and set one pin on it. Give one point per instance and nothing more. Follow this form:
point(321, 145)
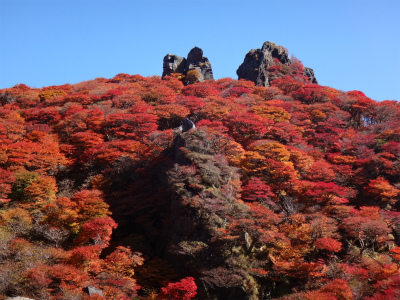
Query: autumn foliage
point(283, 192)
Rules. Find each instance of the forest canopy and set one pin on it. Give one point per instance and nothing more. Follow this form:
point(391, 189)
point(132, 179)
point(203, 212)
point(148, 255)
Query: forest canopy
point(283, 192)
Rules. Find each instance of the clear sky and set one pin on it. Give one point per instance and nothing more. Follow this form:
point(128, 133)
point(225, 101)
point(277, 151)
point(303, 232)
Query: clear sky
point(350, 44)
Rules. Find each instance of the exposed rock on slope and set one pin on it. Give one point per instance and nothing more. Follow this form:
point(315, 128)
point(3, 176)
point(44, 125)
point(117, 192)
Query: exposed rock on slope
point(310, 74)
point(257, 61)
point(195, 61)
point(173, 64)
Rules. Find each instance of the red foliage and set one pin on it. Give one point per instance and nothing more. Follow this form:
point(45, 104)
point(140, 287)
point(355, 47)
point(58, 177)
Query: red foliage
point(201, 90)
point(328, 244)
point(182, 290)
point(313, 161)
point(97, 232)
point(256, 190)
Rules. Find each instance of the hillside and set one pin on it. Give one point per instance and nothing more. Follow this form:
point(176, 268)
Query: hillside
point(283, 190)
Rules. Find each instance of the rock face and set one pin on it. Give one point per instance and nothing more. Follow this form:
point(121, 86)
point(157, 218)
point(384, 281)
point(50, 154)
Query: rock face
point(310, 74)
point(194, 61)
point(257, 61)
point(91, 290)
point(173, 64)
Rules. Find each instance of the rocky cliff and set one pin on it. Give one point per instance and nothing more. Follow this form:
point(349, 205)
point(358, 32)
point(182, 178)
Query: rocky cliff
point(257, 61)
point(195, 61)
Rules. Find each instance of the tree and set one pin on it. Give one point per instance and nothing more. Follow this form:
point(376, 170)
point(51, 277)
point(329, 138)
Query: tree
point(257, 190)
point(369, 233)
point(381, 191)
point(97, 231)
point(182, 290)
point(90, 205)
point(328, 244)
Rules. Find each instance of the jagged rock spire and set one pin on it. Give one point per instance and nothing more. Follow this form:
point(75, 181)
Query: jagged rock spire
point(194, 61)
point(257, 61)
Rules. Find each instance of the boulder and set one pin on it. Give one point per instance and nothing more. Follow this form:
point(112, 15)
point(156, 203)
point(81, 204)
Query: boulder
point(310, 74)
point(91, 290)
point(173, 64)
point(194, 61)
point(257, 61)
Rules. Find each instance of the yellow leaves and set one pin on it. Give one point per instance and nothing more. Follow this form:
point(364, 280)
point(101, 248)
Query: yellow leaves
point(272, 150)
point(344, 159)
point(381, 190)
point(122, 261)
point(318, 116)
point(16, 220)
point(44, 95)
point(192, 76)
point(253, 162)
point(276, 114)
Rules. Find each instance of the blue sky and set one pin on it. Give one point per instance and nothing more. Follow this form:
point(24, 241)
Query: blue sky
point(350, 44)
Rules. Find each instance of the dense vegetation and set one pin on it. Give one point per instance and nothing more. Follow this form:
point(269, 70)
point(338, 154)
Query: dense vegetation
point(282, 192)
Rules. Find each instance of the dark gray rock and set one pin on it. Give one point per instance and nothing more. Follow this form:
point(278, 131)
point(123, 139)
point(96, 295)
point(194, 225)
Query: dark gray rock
point(173, 64)
point(257, 61)
point(310, 74)
point(195, 61)
point(187, 124)
point(194, 55)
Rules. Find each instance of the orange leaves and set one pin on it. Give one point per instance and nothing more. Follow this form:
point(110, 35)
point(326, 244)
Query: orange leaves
point(276, 114)
point(61, 213)
point(246, 127)
point(395, 253)
point(6, 180)
point(90, 205)
point(18, 220)
point(306, 156)
point(33, 190)
point(271, 150)
point(170, 115)
point(287, 84)
point(368, 232)
point(328, 244)
point(381, 190)
point(111, 151)
point(339, 288)
point(97, 231)
point(299, 233)
point(271, 161)
point(320, 170)
point(136, 126)
point(297, 268)
point(201, 89)
point(122, 261)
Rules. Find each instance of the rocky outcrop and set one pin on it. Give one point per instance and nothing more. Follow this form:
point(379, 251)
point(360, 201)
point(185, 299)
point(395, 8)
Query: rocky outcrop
point(310, 74)
point(194, 61)
point(91, 290)
point(173, 64)
point(257, 61)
